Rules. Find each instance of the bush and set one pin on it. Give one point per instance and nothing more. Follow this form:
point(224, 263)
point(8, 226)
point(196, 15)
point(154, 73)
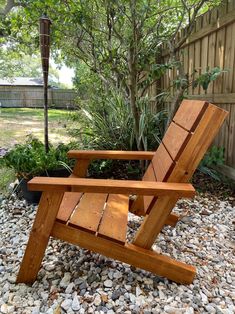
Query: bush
point(214, 157)
point(30, 159)
point(107, 123)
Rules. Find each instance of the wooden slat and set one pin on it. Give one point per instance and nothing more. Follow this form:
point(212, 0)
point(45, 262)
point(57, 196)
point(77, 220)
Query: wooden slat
point(88, 212)
point(110, 186)
point(69, 202)
point(202, 138)
point(219, 58)
point(110, 154)
point(162, 164)
point(175, 139)
point(186, 165)
point(113, 224)
point(39, 236)
point(128, 253)
point(229, 62)
point(211, 57)
point(189, 114)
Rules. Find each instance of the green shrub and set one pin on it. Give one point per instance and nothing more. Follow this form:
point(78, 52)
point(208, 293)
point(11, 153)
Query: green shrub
point(30, 159)
point(107, 123)
point(213, 158)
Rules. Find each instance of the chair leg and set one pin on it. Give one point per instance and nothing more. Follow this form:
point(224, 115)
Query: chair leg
point(39, 236)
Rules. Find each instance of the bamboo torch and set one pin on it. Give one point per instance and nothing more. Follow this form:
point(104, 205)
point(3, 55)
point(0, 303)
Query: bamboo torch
point(44, 29)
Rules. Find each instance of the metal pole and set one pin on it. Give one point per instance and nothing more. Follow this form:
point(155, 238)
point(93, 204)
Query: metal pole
point(45, 53)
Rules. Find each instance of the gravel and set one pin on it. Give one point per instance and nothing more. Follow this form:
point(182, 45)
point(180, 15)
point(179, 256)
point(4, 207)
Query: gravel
point(73, 280)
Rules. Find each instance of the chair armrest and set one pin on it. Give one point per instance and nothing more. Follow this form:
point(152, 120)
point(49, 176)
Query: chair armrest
point(111, 186)
point(110, 154)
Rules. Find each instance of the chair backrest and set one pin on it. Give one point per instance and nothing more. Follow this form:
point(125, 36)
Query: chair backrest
point(187, 139)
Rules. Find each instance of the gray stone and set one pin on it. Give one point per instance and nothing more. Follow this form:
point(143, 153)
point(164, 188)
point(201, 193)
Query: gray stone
point(66, 304)
point(65, 280)
point(108, 283)
point(75, 303)
point(69, 288)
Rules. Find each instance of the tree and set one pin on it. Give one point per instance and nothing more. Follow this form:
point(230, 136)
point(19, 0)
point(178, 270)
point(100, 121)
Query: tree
point(119, 41)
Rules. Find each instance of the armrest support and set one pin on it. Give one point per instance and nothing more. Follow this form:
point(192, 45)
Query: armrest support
point(111, 186)
point(110, 154)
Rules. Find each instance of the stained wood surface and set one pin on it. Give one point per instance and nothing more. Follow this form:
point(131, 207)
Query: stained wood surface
point(110, 186)
point(80, 168)
point(189, 114)
point(175, 140)
point(110, 154)
point(69, 202)
point(128, 253)
point(162, 163)
point(194, 151)
point(88, 212)
point(154, 221)
point(113, 224)
point(39, 236)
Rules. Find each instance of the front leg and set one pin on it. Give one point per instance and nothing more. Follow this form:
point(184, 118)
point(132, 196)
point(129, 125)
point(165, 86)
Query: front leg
point(39, 236)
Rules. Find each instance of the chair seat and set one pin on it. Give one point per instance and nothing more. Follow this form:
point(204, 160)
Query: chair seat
point(104, 215)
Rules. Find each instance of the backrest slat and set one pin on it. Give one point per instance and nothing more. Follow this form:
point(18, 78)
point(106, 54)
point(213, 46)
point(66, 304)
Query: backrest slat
point(175, 140)
point(190, 113)
point(183, 146)
point(203, 131)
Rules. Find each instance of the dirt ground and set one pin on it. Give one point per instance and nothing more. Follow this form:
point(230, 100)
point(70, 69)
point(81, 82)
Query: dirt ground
point(17, 123)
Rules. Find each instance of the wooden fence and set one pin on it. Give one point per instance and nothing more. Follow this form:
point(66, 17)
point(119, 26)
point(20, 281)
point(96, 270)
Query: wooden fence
point(32, 96)
point(212, 44)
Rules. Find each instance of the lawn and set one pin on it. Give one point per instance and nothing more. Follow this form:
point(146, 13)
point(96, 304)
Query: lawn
point(17, 123)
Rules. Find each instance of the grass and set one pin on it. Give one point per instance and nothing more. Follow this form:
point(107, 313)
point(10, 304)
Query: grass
point(17, 123)
point(6, 177)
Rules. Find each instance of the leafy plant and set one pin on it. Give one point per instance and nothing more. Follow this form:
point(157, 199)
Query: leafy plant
point(107, 123)
point(30, 159)
point(213, 158)
point(206, 78)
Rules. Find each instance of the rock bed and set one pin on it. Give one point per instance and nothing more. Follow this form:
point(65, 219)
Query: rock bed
point(73, 280)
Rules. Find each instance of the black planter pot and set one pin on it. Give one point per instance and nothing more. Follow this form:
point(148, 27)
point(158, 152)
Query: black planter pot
point(33, 197)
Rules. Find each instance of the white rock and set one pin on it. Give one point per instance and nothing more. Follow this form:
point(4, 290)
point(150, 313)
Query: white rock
point(4, 308)
point(65, 280)
point(97, 300)
point(138, 291)
point(69, 288)
point(75, 303)
point(66, 304)
point(108, 283)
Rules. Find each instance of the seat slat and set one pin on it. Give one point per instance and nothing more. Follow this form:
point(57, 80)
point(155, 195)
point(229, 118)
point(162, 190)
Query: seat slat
point(175, 140)
point(69, 202)
point(190, 113)
point(88, 212)
point(113, 224)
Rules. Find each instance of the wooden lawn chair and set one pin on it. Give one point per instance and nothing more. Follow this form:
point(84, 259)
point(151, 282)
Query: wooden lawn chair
point(93, 213)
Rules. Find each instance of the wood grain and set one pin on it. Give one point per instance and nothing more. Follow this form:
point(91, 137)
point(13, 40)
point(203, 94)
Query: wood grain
point(110, 154)
point(175, 140)
point(69, 202)
point(113, 224)
point(88, 212)
point(110, 186)
point(39, 236)
point(189, 114)
point(162, 164)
